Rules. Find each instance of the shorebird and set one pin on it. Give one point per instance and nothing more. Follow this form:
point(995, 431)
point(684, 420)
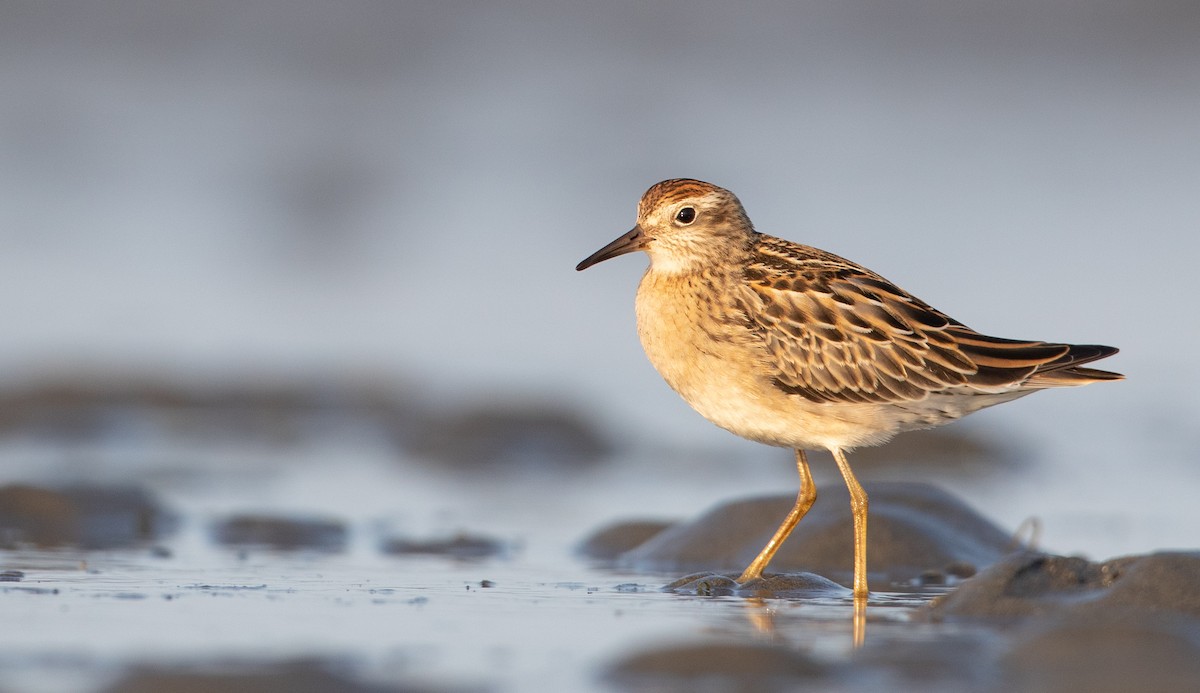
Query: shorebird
point(796, 347)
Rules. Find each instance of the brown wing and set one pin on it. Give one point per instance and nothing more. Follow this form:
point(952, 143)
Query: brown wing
point(838, 332)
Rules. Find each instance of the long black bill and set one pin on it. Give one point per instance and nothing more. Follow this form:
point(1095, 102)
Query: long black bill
point(630, 242)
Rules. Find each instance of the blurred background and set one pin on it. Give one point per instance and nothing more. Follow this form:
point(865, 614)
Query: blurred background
point(394, 195)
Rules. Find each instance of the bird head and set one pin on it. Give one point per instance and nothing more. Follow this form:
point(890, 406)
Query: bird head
point(683, 225)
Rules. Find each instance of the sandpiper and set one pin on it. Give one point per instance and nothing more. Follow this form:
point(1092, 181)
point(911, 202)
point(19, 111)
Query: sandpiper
point(796, 347)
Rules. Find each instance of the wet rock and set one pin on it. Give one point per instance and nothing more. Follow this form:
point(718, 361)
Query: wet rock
point(1125, 650)
point(460, 546)
point(956, 451)
point(1032, 584)
point(282, 533)
point(607, 543)
point(89, 517)
point(944, 662)
point(503, 437)
point(715, 667)
point(283, 677)
point(913, 529)
point(89, 407)
point(1131, 623)
point(790, 585)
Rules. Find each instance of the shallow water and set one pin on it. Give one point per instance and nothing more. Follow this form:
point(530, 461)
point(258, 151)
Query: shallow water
point(533, 616)
point(413, 621)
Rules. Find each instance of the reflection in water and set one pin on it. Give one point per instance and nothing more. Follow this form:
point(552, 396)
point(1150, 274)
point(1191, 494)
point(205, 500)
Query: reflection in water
point(761, 616)
point(860, 620)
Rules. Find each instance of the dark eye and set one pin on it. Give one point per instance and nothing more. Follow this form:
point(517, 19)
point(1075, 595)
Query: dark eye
point(686, 215)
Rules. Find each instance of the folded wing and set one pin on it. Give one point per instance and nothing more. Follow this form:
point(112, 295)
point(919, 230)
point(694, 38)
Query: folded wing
point(838, 332)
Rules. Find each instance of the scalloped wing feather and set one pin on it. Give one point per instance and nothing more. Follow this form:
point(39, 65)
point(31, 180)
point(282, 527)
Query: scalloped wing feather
point(837, 332)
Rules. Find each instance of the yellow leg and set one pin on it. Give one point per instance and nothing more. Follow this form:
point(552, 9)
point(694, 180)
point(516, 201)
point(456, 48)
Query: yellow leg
point(804, 501)
point(858, 505)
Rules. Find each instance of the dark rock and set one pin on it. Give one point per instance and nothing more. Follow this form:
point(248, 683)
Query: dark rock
point(1161, 582)
point(791, 585)
point(1125, 650)
point(89, 517)
point(1131, 623)
point(282, 533)
point(1128, 624)
point(1030, 584)
point(11, 576)
point(256, 410)
point(716, 667)
point(941, 661)
point(460, 546)
point(912, 529)
point(283, 677)
point(607, 543)
point(957, 451)
point(503, 437)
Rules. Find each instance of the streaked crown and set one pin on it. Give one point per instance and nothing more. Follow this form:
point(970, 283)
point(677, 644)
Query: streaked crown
point(690, 223)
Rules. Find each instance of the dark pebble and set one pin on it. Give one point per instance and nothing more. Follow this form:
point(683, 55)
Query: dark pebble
point(461, 546)
point(89, 517)
point(282, 533)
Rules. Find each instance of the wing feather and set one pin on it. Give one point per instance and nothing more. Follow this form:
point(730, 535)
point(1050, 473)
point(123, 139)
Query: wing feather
point(837, 332)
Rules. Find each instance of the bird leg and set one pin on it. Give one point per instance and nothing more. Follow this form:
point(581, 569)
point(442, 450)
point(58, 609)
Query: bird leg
point(858, 505)
point(804, 501)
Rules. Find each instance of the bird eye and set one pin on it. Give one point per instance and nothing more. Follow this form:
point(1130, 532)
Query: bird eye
point(686, 215)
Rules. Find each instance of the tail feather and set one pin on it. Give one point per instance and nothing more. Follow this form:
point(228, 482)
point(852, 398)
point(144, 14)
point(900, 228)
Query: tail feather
point(1065, 371)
